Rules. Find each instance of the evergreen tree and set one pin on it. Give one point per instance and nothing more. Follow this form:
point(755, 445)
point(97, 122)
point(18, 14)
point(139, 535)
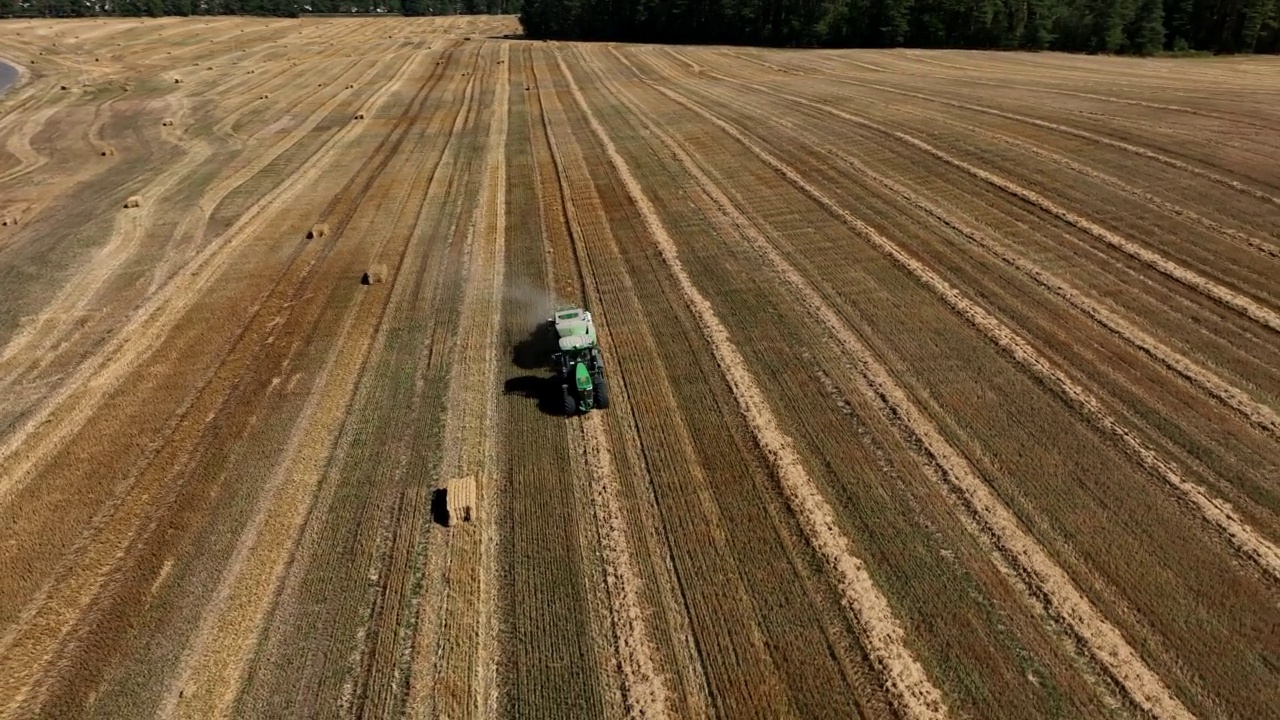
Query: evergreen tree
point(1256, 15)
point(1148, 36)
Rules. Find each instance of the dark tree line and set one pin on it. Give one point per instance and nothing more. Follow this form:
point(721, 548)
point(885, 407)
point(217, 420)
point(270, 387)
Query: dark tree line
point(1110, 26)
point(279, 8)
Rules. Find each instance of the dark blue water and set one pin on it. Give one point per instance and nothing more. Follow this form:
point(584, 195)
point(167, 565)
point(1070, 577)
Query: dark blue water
point(8, 76)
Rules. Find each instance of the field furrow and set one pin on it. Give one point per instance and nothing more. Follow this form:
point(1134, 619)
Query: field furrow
point(1208, 508)
point(931, 383)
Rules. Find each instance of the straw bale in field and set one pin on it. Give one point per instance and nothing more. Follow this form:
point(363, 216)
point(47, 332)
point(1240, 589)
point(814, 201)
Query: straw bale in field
point(375, 275)
point(460, 500)
point(318, 230)
point(133, 201)
point(359, 116)
point(108, 151)
point(167, 122)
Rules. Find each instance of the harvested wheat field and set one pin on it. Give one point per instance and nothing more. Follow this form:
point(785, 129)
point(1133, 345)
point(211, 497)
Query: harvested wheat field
point(944, 384)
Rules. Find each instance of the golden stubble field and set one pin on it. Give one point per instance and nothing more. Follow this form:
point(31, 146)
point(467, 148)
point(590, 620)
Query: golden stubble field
point(945, 384)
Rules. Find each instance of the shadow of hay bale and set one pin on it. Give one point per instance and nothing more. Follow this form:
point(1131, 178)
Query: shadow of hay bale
point(375, 275)
point(439, 507)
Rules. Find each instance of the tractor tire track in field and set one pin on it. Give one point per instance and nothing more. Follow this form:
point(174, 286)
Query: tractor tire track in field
point(404, 548)
point(927, 400)
point(967, 78)
point(115, 519)
point(139, 335)
point(1215, 511)
point(1203, 378)
point(567, 277)
point(1257, 413)
point(1262, 247)
point(657, 425)
point(644, 688)
point(912, 690)
point(1084, 134)
point(330, 678)
point(469, 447)
point(129, 483)
point(232, 622)
point(1241, 304)
point(556, 489)
point(1046, 580)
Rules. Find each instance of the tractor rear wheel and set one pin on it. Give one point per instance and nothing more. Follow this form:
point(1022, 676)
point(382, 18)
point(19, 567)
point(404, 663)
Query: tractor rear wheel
point(602, 392)
point(570, 405)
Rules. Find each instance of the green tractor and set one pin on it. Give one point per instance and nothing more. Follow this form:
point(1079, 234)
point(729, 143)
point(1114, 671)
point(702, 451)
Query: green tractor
point(578, 364)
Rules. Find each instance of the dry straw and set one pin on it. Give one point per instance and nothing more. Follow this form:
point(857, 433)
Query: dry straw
point(133, 201)
point(460, 499)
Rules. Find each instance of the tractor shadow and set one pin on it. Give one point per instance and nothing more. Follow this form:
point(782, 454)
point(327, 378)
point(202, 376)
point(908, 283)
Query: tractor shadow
point(534, 353)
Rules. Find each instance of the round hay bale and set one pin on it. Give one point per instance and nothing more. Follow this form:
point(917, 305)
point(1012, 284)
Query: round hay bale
point(318, 230)
point(63, 87)
point(359, 116)
point(8, 221)
point(177, 81)
point(351, 86)
point(133, 201)
point(375, 275)
point(266, 96)
point(166, 122)
point(108, 151)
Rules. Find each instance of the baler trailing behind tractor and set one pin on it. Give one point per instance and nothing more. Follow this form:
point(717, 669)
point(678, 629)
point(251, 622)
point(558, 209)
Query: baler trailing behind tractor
point(579, 367)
